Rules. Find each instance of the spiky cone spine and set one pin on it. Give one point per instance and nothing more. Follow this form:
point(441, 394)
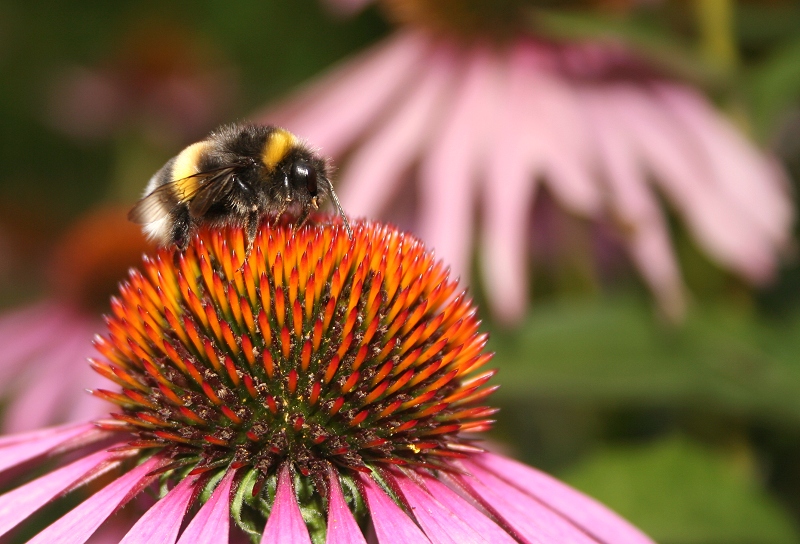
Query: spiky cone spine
point(313, 348)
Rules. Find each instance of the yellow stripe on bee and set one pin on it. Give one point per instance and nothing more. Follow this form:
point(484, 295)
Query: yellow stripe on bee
point(187, 165)
point(280, 142)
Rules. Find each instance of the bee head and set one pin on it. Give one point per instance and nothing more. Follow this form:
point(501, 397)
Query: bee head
point(303, 176)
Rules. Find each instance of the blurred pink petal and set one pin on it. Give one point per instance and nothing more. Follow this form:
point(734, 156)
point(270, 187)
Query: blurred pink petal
point(392, 148)
point(211, 525)
point(160, 524)
point(78, 524)
point(448, 174)
point(329, 117)
point(285, 523)
point(43, 370)
point(735, 166)
point(679, 172)
point(506, 207)
point(634, 207)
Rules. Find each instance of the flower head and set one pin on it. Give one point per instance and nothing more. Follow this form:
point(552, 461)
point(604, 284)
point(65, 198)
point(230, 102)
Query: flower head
point(313, 388)
point(313, 348)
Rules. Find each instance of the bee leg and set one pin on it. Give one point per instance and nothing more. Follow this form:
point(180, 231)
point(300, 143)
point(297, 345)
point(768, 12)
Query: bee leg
point(181, 229)
point(250, 230)
point(302, 219)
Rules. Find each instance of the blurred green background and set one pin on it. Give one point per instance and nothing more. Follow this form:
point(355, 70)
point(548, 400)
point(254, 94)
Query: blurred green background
point(692, 431)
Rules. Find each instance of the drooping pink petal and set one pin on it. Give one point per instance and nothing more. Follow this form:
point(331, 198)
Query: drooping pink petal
point(550, 132)
point(42, 398)
point(370, 178)
point(17, 505)
point(754, 185)
point(523, 513)
point(594, 518)
point(17, 453)
point(441, 525)
point(506, 208)
point(467, 512)
point(391, 524)
point(449, 171)
point(76, 526)
point(342, 526)
point(161, 523)
point(285, 523)
point(26, 332)
point(634, 207)
point(327, 113)
point(211, 525)
point(87, 407)
point(726, 235)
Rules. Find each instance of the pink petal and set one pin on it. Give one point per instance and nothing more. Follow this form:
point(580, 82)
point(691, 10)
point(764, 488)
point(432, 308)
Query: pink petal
point(23, 501)
point(392, 525)
point(26, 332)
point(724, 233)
point(326, 113)
point(467, 512)
point(162, 522)
point(342, 526)
point(76, 526)
point(17, 453)
point(42, 399)
point(508, 200)
point(448, 172)
point(523, 513)
point(644, 228)
point(594, 518)
point(551, 131)
point(441, 525)
point(285, 523)
point(211, 525)
point(374, 171)
point(753, 184)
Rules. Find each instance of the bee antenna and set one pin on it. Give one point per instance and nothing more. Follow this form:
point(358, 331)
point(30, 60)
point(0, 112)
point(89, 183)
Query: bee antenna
point(339, 209)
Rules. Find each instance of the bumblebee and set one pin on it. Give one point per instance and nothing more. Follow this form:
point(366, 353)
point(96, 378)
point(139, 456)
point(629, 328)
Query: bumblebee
point(238, 175)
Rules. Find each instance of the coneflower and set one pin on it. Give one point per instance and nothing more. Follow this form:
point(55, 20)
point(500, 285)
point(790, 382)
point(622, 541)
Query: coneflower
point(315, 388)
point(501, 134)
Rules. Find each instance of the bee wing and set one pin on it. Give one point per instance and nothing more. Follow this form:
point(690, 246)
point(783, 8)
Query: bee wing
point(154, 206)
point(163, 199)
point(211, 190)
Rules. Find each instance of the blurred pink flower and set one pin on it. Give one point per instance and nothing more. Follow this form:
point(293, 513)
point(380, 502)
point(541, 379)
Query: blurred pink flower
point(369, 430)
point(43, 368)
point(480, 131)
point(160, 80)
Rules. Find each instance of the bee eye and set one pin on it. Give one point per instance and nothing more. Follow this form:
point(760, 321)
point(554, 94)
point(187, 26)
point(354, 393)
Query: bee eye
point(304, 174)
